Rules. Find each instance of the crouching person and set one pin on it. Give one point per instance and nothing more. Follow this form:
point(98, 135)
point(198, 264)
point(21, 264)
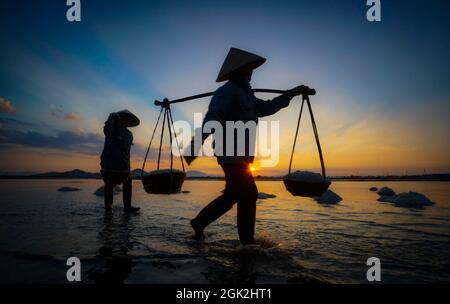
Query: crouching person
point(115, 158)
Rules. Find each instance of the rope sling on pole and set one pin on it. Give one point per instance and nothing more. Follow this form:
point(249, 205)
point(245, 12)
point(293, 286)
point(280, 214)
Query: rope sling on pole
point(163, 181)
point(176, 140)
point(316, 135)
point(300, 187)
point(150, 143)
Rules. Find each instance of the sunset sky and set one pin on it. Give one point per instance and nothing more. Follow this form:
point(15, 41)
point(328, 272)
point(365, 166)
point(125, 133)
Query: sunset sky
point(383, 99)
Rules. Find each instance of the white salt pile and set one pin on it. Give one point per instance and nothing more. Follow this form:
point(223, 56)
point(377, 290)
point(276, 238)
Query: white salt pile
point(262, 195)
point(305, 176)
point(386, 191)
point(408, 200)
point(68, 189)
point(373, 189)
point(329, 197)
point(101, 191)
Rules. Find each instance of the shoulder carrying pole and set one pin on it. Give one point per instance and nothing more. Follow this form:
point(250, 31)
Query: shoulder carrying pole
point(165, 104)
point(165, 101)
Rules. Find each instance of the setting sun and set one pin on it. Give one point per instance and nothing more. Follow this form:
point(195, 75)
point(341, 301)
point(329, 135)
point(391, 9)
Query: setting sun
point(252, 168)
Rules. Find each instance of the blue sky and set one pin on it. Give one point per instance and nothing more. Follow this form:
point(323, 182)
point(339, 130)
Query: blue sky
point(383, 88)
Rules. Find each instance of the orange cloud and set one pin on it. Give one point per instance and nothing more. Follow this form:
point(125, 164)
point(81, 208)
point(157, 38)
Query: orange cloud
point(6, 106)
point(71, 116)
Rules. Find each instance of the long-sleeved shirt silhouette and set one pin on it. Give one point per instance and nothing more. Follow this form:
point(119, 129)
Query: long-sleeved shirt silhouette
point(235, 101)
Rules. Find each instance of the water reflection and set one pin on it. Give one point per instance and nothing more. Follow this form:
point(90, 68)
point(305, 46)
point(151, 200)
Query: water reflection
point(328, 243)
point(115, 239)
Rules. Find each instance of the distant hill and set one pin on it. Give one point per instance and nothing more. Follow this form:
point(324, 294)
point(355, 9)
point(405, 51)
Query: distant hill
point(423, 177)
point(68, 174)
point(80, 174)
point(195, 174)
point(16, 173)
point(136, 173)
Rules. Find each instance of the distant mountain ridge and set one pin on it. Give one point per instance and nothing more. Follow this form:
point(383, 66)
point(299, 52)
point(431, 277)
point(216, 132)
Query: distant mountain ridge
point(195, 174)
point(76, 173)
point(80, 174)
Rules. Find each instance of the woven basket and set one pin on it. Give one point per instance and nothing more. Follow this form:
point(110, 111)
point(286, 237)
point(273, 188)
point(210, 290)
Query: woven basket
point(163, 181)
point(303, 188)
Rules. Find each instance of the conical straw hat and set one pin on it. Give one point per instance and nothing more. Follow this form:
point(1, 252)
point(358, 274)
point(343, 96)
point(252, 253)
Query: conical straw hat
point(236, 59)
point(130, 119)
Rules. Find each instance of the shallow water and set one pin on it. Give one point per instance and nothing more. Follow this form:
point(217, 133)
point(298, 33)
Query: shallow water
point(300, 240)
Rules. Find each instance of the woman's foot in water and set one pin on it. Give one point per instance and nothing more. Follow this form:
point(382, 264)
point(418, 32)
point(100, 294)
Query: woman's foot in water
point(131, 209)
point(198, 230)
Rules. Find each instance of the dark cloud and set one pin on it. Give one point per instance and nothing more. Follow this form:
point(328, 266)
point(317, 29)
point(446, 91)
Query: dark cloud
point(13, 121)
point(56, 111)
point(87, 143)
point(69, 141)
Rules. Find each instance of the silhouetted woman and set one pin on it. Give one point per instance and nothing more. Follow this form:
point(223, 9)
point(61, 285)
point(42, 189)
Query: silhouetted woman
point(115, 158)
point(233, 102)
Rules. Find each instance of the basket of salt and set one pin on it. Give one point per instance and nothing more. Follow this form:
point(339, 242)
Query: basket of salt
point(304, 183)
point(163, 181)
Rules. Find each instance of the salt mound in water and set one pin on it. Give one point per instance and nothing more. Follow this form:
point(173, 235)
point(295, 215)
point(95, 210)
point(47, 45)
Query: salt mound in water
point(306, 176)
point(262, 195)
point(386, 191)
point(409, 200)
point(329, 197)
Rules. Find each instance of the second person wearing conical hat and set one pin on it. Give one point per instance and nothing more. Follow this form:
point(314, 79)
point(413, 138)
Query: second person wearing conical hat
point(115, 158)
point(235, 101)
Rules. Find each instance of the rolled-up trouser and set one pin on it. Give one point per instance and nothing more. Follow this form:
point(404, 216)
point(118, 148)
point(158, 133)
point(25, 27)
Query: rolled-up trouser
point(112, 179)
point(240, 188)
